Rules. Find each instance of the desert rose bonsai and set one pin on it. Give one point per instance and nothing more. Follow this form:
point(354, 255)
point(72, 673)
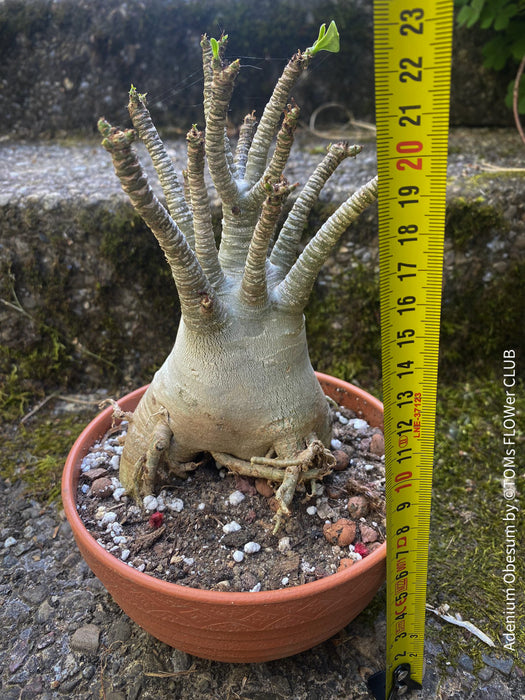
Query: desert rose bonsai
point(238, 383)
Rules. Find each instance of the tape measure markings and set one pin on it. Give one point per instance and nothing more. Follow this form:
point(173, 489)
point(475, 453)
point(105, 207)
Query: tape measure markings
point(412, 65)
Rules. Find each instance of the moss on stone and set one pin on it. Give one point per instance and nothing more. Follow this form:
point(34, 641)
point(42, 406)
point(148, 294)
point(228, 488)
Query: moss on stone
point(481, 318)
point(342, 324)
point(67, 334)
point(35, 453)
point(47, 357)
point(467, 544)
point(469, 221)
point(26, 374)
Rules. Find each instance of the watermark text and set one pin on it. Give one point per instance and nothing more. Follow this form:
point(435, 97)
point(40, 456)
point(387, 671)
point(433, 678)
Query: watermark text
point(511, 513)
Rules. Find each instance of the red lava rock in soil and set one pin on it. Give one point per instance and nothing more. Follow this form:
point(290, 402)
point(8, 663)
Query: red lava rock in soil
point(244, 485)
point(264, 488)
point(341, 460)
point(368, 534)
point(377, 445)
point(102, 487)
point(155, 520)
point(357, 507)
point(342, 532)
point(361, 549)
point(345, 563)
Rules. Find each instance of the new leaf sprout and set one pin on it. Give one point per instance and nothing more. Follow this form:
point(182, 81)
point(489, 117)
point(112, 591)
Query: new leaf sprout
point(214, 47)
point(217, 45)
point(328, 40)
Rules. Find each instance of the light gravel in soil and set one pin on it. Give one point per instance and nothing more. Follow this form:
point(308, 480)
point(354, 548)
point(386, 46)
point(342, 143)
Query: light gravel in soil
point(215, 530)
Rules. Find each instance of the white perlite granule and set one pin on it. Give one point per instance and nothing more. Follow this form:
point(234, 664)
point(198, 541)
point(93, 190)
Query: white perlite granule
point(175, 504)
point(252, 547)
point(358, 424)
point(236, 497)
point(150, 503)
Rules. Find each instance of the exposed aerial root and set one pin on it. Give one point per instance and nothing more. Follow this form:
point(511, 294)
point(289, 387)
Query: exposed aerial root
point(310, 465)
point(118, 413)
point(157, 448)
point(146, 466)
point(152, 452)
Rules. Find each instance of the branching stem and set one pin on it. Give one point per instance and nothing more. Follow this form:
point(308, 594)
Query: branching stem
point(284, 252)
point(296, 287)
point(177, 205)
point(253, 287)
point(258, 154)
point(205, 247)
point(199, 304)
point(274, 171)
point(217, 150)
point(246, 133)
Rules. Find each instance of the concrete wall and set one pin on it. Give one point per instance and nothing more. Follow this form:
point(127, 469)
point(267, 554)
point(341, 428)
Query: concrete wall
point(65, 63)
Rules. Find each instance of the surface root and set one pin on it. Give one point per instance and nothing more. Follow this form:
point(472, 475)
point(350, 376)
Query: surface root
point(310, 465)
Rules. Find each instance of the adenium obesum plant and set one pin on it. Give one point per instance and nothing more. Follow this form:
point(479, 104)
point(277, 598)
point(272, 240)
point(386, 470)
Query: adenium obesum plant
point(238, 383)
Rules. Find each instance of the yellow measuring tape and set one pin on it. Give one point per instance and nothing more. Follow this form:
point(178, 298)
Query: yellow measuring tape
point(413, 42)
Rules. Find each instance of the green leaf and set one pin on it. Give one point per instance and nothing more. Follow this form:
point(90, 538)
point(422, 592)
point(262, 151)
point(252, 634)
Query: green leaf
point(495, 53)
point(214, 47)
point(501, 22)
point(469, 14)
point(328, 40)
point(517, 44)
point(465, 15)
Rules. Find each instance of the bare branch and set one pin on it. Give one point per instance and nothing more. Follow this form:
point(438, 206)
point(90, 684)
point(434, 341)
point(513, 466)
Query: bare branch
point(177, 205)
point(278, 161)
point(269, 123)
point(207, 57)
point(284, 252)
point(207, 66)
point(217, 145)
point(205, 247)
point(199, 304)
point(246, 134)
point(253, 287)
point(295, 289)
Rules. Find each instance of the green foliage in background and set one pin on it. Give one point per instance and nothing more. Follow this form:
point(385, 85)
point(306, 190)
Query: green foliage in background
point(504, 21)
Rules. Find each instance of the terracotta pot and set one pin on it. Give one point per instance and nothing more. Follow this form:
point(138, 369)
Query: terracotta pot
point(233, 627)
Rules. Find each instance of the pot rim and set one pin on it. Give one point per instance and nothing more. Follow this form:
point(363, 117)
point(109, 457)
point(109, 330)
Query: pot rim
point(70, 476)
